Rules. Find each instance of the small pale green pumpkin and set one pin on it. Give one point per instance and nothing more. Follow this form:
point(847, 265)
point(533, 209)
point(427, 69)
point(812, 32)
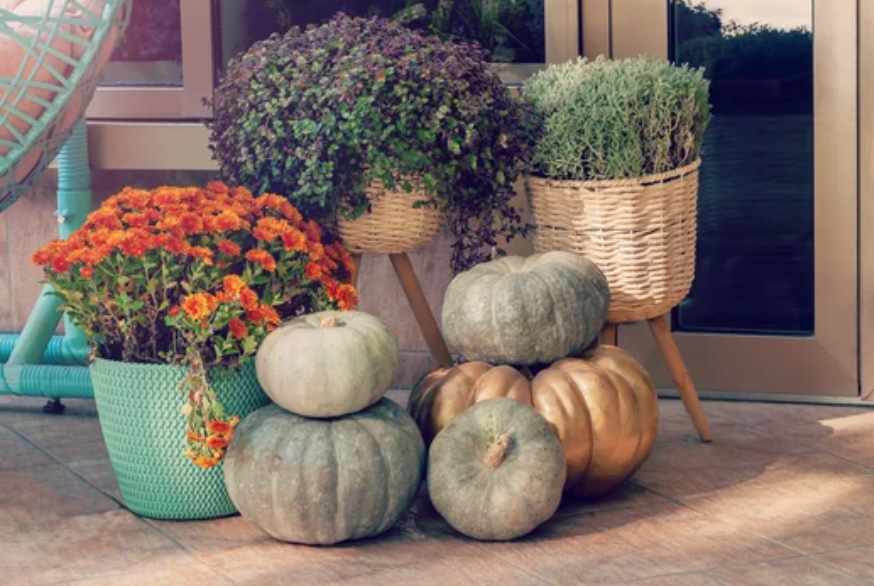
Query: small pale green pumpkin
point(328, 364)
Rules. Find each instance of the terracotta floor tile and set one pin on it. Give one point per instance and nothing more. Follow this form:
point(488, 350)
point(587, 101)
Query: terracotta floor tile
point(850, 436)
point(858, 562)
point(402, 557)
point(33, 497)
point(674, 422)
point(795, 572)
point(86, 546)
point(633, 543)
point(808, 508)
point(681, 470)
point(189, 573)
point(16, 452)
point(98, 473)
point(628, 494)
point(66, 438)
point(776, 417)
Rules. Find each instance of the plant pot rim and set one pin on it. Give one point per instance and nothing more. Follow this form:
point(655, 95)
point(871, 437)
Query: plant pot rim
point(674, 173)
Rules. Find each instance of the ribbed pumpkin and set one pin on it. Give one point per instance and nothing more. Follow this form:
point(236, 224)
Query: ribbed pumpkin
point(316, 481)
point(328, 364)
point(524, 311)
point(496, 471)
point(604, 410)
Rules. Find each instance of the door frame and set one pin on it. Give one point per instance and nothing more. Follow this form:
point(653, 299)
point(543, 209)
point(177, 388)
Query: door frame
point(828, 363)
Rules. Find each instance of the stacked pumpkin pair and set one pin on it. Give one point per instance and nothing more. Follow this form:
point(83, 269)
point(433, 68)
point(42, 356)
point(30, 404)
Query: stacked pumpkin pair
point(541, 409)
point(331, 459)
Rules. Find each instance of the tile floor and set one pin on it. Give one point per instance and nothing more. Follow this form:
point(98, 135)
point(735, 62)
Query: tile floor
point(785, 495)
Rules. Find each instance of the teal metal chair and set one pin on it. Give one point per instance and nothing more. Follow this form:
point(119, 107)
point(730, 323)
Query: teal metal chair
point(52, 53)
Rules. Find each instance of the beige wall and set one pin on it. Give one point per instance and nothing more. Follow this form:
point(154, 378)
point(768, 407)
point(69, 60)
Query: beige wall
point(30, 223)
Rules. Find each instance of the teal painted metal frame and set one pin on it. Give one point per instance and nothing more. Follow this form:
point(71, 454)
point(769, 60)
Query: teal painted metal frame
point(25, 371)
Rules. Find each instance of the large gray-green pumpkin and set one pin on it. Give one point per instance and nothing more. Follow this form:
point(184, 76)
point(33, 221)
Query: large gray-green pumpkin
point(497, 471)
point(328, 364)
point(323, 481)
point(526, 311)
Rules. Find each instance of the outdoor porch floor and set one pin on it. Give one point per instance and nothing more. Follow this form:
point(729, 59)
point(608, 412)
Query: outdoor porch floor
point(784, 495)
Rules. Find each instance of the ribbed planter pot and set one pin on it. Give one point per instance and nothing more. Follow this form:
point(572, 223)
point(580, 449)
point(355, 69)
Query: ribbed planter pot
point(392, 225)
point(139, 406)
point(641, 232)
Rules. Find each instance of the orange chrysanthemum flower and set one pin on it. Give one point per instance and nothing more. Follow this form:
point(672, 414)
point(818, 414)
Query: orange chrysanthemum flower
point(269, 229)
point(255, 316)
point(229, 248)
point(193, 437)
point(217, 442)
point(313, 231)
point(205, 462)
point(217, 187)
point(228, 221)
point(347, 297)
point(248, 299)
point(191, 223)
point(270, 314)
point(233, 285)
point(174, 311)
point(197, 306)
point(136, 220)
point(203, 253)
point(220, 427)
point(313, 271)
point(294, 240)
point(87, 272)
point(262, 257)
point(238, 328)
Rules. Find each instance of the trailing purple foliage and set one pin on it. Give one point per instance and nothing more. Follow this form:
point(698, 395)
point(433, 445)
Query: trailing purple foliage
point(319, 114)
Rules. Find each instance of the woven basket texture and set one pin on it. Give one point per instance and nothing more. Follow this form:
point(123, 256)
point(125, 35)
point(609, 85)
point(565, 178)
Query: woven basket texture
point(641, 233)
point(139, 406)
point(392, 225)
point(55, 51)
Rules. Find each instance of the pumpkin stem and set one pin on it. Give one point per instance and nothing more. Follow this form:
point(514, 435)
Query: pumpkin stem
point(495, 454)
point(330, 322)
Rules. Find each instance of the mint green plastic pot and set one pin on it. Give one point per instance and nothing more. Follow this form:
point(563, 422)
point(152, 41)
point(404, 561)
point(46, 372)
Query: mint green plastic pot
point(139, 406)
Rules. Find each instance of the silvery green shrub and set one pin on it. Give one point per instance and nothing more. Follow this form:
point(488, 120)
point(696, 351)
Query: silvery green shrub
point(614, 119)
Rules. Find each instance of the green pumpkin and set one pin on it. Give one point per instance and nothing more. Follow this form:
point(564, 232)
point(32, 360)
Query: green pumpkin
point(496, 471)
point(526, 311)
point(324, 481)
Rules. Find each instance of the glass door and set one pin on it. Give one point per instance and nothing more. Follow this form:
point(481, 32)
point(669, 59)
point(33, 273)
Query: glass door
point(773, 308)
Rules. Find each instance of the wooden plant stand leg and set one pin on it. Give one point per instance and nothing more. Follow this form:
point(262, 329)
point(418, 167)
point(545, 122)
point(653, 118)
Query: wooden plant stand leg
point(419, 304)
point(677, 367)
point(610, 335)
point(356, 268)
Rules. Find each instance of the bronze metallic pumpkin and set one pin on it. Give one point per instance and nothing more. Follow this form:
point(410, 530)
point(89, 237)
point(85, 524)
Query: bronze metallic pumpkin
point(604, 410)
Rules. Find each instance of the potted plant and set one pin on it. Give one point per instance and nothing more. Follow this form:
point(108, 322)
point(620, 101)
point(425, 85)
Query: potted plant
point(176, 288)
point(614, 173)
point(377, 131)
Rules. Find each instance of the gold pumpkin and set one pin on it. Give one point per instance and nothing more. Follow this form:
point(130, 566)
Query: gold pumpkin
point(604, 410)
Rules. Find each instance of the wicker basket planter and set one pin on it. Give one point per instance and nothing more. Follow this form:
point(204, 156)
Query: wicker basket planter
point(392, 225)
point(641, 232)
point(139, 409)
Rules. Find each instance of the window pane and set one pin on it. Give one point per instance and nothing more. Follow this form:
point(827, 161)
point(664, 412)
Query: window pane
point(755, 269)
point(512, 30)
point(150, 53)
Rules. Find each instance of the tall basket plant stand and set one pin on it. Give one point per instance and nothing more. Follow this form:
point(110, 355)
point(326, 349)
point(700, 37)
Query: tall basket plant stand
point(394, 227)
point(641, 232)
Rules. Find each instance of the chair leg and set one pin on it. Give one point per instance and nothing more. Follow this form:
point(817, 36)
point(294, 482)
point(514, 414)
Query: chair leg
point(677, 367)
point(610, 334)
point(419, 304)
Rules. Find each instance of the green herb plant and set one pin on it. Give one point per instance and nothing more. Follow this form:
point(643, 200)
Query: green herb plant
point(615, 119)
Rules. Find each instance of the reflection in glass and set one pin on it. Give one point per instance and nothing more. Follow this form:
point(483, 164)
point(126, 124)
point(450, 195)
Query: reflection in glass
point(150, 53)
point(755, 246)
point(511, 30)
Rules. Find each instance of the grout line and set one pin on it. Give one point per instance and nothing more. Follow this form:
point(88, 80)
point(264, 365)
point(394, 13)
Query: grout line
point(66, 467)
point(183, 547)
